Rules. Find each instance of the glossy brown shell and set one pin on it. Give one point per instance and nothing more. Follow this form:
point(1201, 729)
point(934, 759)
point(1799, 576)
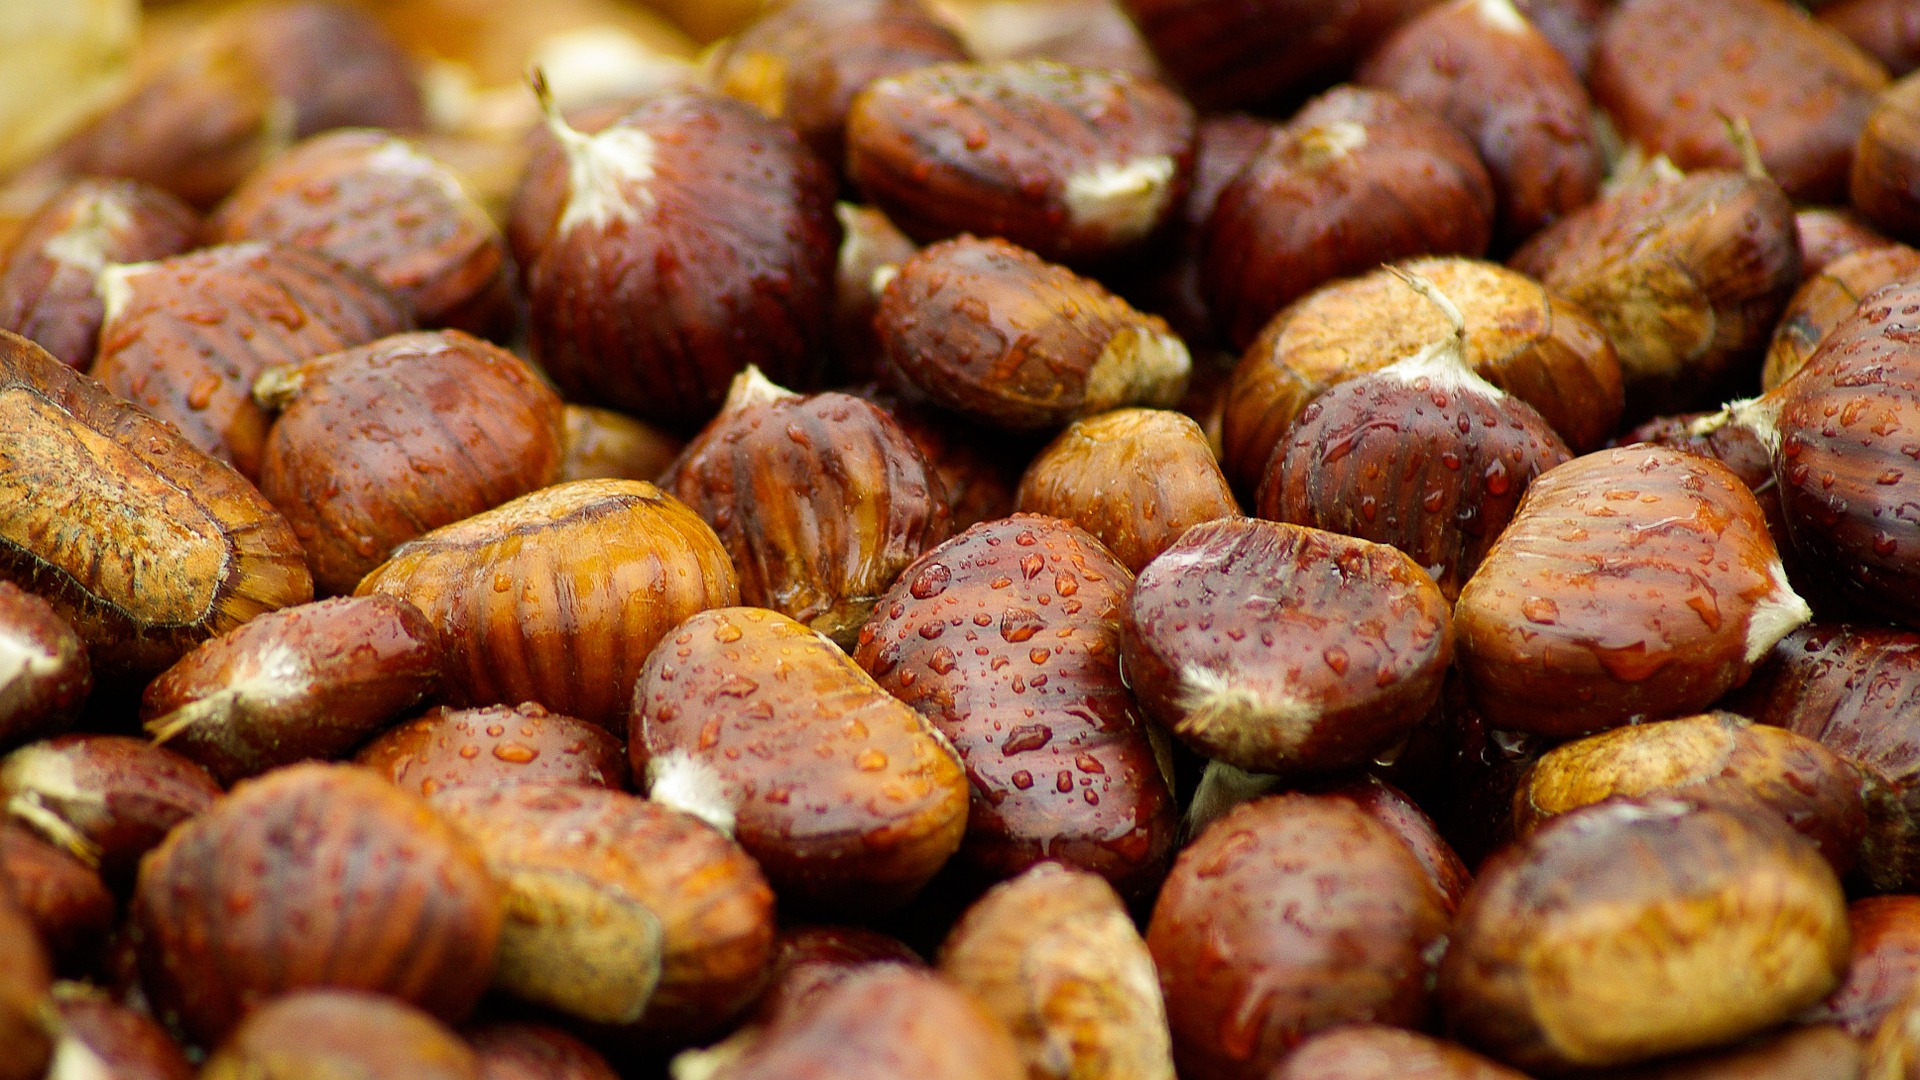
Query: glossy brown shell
point(66, 900)
point(1887, 29)
point(536, 600)
point(107, 799)
point(25, 977)
point(1376, 1052)
point(812, 958)
point(1391, 807)
point(1886, 960)
point(1819, 1050)
point(314, 876)
point(1292, 914)
point(1826, 235)
point(44, 673)
point(523, 1051)
point(605, 445)
point(128, 1044)
point(143, 543)
point(1827, 299)
point(494, 747)
point(340, 1033)
point(1883, 165)
point(1007, 637)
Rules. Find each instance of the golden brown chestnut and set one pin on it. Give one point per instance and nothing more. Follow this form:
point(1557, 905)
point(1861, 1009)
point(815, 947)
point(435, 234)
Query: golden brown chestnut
point(1292, 914)
point(821, 500)
point(44, 673)
point(1883, 164)
point(1828, 298)
point(1633, 928)
point(1886, 959)
point(843, 794)
point(25, 978)
point(1134, 478)
point(313, 876)
point(106, 799)
point(65, 899)
point(1376, 1052)
point(378, 445)
point(100, 1038)
point(1785, 1054)
point(493, 747)
point(993, 332)
point(323, 1034)
point(1054, 954)
point(537, 600)
point(1894, 1052)
point(185, 337)
point(522, 1051)
point(1637, 583)
point(1007, 637)
point(311, 681)
point(605, 445)
point(145, 545)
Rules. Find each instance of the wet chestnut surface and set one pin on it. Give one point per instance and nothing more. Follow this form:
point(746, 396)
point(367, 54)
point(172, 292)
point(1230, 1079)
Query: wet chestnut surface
point(495, 746)
point(107, 799)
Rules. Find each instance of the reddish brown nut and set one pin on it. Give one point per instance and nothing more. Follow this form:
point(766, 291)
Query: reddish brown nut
point(1631, 929)
point(1482, 66)
point(145, 545)
point(304, 682)
point(44, 673)
point(1718, 758)
point(1087, 33)
point(47, 276)
point(1824, 1051)
point(1883, 164)
point(1283, 649)
point(1826, 236)
point(979, 487)
point(1055, 956)
point(99, 1038)
point(65, 899)
point(25, 978)
point(993, 332)
point(844, 795)
point(1572, 25)
point(813, 958)
point(605, 445)
point(496, 746)
point(1670, 73)
point(1886, 959)
point(382, 205)
point(1292, 914)
point(1638, 583)
point(322, 1034)
point(804, 60)
point(692, 237)
point(378, 445)
point(1007, 637)
point(1687, 276)
point(185, 337)
point(534, 600)
point(821, 500)
point(1521, 337)
point(1894, 1051)
point(1134, 478)
point(1228, 55)
point(1725, 437)
point(1422, 455)
point(1374, 1052)
point(1355, 179)
point(1075, 164)
point(619, 911)
point(1827, 299)
point(871, 250)
point(313, 876)
point(107, 799)
point(1392, 808)
point(1887, 29)
point(517, 1051)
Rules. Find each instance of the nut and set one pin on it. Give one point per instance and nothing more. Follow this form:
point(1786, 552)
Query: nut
point(141, 542)
point(25, 978)
point(979, 487)
point(98, 1038)
point(313, 876)
point(304, 682)
point(1572, 25)
point(185, 337)
point(1283, 649)
point(1087, 33)
point(1886, 29)
point(321, 1034)
point(605, 445)
point(1888, 150)
point(1827, 299)
point(1886, 959)
point(813, 958)
point(1074, 164)
point(1390, 807)
point(844, 795)
point(512, 1051)
point(533, 599)
point(1374, 1052)
point(493, 747)
point(871, 251)
point(1826, 235)
point(47, 276)
point(1292, 914)
point(105, 799)
point(1821, 1050)
point(44, 673)
point(65, 899)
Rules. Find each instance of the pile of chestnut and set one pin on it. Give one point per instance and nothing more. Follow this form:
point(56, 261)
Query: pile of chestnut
point(1219, 539)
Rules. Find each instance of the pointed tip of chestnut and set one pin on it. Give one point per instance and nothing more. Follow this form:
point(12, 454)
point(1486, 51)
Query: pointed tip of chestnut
point(752, 387)
point(1142, 365)
point(683, 782)
point(1775, 615)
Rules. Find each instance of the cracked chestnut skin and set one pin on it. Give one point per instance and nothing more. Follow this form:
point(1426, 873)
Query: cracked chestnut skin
point(1007, 637)
point(493, 747)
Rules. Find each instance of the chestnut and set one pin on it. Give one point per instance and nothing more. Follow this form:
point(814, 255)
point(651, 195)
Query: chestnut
point(1827, 234)
point(1826, 299)
point(65, 899)
point(605, 445)
point(1887, 29)
point(1820, 1050)
point(1376, 1052)
point(320, 1034)
point(812, 958)
point(521, 1051)
point(1391, 807)
point(44, 674)
point(1886, 959)
point(99, 1038)
point(106, 799)
point(493, 747)
point(1883, 164)
point(26, 976)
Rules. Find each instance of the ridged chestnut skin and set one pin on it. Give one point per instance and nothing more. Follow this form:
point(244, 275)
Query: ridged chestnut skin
point(320, 1034)
point(493, 747)
point(1827, 299)
point(637, 918)
point(1632, 584)
point(65, 899)
point(1889, 30)
point(1485, 69)
point(846, 797)
point(1135, 478)
point(1228, 55)
point(382, 205)
point(313, 876)
point(44, 673)
point(1882, 185)
point(1075, 164)
point(1670, 71)
point(605, 445)
point(536, 600)
point(821, 500)
point(1826, 235)
point(120, 1042)
point(997, 334)
point(1292, 914)
point(1686, 275)
point(25, 977)
point(1376, 1052)
point(1357, 178)
point(1886, 959)
point(1282, 649)
point(1718, 758)
point(521, 1051)
point(311, 681)
point(185, 337)
point(1007, 637)
point(1521, 337)
point(47, 274)
point(380, 444)
point(804, 61)
point(979, 485)
point(107, 799)
point(145, 545)
point(654, 286)
point(1633, 928)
